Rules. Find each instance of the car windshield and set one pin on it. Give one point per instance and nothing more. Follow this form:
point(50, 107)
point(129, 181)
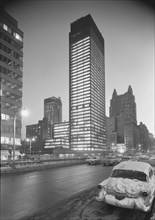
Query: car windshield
point(130, 174)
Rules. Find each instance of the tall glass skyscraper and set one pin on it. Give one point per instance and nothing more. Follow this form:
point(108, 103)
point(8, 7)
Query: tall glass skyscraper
point(87, 86)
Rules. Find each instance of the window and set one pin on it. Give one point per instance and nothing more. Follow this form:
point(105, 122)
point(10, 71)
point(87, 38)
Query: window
point(5, 117)
point(5, 27)
point(17, 36)
point(130, 174)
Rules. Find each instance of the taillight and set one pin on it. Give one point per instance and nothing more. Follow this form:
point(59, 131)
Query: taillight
point(145, 194)
point(99, 186)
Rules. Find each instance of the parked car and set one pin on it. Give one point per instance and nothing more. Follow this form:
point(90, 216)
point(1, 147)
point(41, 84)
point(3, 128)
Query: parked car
point(93, 160)
point(126, 158)
point(130, 185)
point(110, 161)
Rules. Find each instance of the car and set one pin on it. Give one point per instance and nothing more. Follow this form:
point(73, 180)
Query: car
point(130, 185)
point(126, 158)
point(110, 161)
point(93, 160)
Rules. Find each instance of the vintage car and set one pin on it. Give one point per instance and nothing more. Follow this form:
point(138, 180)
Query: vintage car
point(110, 161)
point(93, 160)
point(130, 185)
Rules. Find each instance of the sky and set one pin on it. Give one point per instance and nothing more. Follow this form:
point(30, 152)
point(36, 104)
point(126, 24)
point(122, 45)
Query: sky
point(128, 30)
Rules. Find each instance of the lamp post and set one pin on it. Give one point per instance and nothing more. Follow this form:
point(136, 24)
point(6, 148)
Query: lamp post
point(14, 136)
point(23, 112)
point(30, 140)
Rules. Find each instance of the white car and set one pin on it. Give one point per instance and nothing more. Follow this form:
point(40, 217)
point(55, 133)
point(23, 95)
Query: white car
point(93, 160)
point(130, 185)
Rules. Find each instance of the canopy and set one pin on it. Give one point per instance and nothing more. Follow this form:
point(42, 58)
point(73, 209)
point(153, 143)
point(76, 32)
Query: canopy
point(5, 153)
point(17, 153)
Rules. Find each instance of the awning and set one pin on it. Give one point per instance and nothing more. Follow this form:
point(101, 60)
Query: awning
point(17, 153)
point(5, 153)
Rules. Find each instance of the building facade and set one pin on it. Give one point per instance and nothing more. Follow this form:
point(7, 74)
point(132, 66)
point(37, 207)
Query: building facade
point(11, 73)
point(144, 137)
point(123, 120)
point(87, 86)
point(37, 134)
point(53, 110)
point(60, 139)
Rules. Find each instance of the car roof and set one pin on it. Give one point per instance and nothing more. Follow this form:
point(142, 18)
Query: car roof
point(134, 165)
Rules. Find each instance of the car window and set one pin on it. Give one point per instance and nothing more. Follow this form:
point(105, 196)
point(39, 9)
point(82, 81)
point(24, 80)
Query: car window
point(130, 174)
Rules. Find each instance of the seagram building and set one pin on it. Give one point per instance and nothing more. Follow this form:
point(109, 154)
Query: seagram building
point(86, 87)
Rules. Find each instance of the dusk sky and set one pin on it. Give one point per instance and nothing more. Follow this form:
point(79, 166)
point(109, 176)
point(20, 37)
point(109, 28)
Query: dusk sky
point(128, 30)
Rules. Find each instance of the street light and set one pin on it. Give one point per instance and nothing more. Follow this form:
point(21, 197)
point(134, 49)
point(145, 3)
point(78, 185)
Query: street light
point(23, 112)
point(30, 140)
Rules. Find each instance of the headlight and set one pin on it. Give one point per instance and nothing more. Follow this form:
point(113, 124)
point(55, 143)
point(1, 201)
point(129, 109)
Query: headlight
point(145, 194)
point(99, 186)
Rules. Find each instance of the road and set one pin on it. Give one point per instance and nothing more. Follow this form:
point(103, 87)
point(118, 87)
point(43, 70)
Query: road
point(25, 194)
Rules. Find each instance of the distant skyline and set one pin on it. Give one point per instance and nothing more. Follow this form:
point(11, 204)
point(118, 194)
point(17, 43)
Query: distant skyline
point(128, 30)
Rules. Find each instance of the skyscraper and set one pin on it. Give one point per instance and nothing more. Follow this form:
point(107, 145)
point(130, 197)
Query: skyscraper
point(124, 105)
point(123, 116)
point(11, 70)
point(86, 86)
point(53, 110)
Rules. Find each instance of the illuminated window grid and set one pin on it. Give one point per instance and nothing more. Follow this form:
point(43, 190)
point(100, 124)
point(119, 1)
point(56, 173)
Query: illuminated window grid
point(80, 86)
point(92, 115)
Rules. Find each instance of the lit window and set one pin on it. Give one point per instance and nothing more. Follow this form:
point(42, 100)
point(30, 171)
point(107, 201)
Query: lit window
point(7, 140)
point(2, 140)
point(7, 117)
point(3, 116)
point(17, 36)
point(5, 27)
point(18, 142)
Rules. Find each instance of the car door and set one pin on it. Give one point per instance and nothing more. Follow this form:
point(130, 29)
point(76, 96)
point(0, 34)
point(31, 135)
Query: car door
point(152, 182)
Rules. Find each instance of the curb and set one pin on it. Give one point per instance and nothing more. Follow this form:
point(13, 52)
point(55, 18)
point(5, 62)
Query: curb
point(27, 169)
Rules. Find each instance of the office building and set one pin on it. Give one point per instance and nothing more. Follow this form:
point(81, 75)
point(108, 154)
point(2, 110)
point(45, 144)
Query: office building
point(123, 105)
point(144, 137)
point(53, 110)
point(60, 138)
point(123, 120)
point(11, 73)
point(86, 86)
point(38, 133)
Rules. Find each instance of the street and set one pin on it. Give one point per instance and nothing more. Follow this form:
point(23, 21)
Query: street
point(25, 194)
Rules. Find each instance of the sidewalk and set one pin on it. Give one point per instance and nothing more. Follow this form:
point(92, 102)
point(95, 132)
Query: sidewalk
point(30, 167)
point(82, 206)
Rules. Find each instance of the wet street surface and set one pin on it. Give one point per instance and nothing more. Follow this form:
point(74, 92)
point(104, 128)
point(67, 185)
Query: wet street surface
point(61, 194)
point(28, 193)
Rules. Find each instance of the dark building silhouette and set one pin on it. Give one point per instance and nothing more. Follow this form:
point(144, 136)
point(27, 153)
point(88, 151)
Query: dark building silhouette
point(144, 137)
point(37, 134)
point(124, 105)
point(53, 110)
point(11, 70)
point(123, 120)
point(86, 86)
point(44, 129)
